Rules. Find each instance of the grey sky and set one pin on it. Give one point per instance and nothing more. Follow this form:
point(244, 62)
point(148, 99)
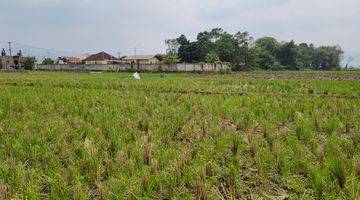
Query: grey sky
point(118, 25)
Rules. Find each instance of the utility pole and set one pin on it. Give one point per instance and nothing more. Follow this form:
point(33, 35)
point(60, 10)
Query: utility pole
point(136, 50)
point(9, 48)
point(136, 53)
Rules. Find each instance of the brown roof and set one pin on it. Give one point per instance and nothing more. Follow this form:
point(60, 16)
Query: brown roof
point(139, 57)
point(100, 56)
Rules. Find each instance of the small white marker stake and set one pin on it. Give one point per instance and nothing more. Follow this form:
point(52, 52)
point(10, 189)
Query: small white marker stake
point(136, 76)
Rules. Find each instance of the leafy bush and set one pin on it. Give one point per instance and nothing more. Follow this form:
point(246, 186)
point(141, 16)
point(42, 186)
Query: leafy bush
point(48, 61)
point(212, 57)
point(28, 63)
point(171, 59)
point(277, 68)
point(225, 70)
point(292, 68)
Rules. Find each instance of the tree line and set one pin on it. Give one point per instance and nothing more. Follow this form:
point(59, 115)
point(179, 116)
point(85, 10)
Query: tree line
point(243, 52)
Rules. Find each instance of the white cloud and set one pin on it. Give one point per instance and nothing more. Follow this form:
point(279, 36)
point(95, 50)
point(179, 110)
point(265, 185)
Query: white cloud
point(116, 25)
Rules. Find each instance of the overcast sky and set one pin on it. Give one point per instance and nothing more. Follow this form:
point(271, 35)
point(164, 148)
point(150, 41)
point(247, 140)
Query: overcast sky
point(118, 26)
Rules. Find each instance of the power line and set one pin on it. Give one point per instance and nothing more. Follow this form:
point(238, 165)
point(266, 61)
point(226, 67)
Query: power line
point(45, 49)
point(49, 50)
point(42, 48)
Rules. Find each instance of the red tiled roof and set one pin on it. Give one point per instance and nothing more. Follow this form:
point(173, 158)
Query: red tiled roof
point(100, 56)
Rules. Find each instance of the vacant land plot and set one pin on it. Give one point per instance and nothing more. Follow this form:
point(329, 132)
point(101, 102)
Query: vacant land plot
point(180, 136)
point(347, 75)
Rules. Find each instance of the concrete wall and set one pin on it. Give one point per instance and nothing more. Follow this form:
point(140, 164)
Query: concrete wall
point(99, 62)
point(181, 67)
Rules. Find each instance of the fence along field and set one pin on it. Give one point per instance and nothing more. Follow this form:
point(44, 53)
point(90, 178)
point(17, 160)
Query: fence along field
point(183, 136)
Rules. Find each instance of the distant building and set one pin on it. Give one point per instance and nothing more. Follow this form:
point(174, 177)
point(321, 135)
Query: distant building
point(13, 62)
point(61, 61)
point(101, 58)
point(7, 62)
point(84, 56)
point(142, 59)
point(73, 60)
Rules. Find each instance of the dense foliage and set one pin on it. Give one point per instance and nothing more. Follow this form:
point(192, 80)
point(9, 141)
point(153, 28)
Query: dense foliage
point(28, 63)
point(243, 52)
point(171, 59)
point(212, 57)
point(48, 61)
point(179, 136)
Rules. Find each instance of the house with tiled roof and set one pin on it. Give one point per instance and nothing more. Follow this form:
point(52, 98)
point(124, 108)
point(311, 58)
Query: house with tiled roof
point(142, 59)
point(101, 58)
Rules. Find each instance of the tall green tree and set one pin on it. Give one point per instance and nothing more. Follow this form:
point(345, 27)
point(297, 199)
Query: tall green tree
point(227, 49)
point(186, 50)
point(269, 44)
point(241, 51)
point(328, 57)
point(305, 53)
point(216, 34)
point(172, 46)
point(261, 58)
point(288, 54)
point(266, 60)
point(204, 45)
point(244, 41)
